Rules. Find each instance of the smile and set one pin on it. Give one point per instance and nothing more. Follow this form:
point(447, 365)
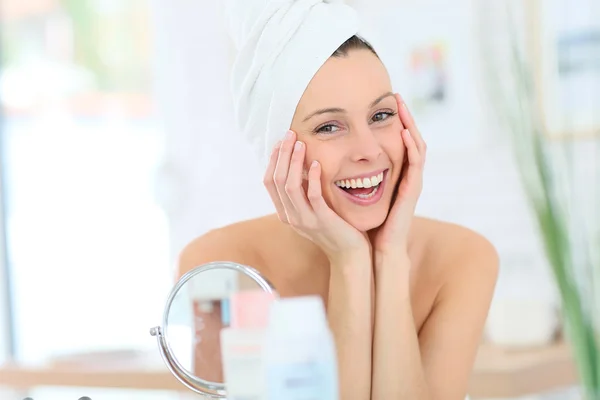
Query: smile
point(364, 190)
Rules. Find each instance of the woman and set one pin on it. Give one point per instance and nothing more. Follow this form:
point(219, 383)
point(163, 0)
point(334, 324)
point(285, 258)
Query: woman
point(406, 297)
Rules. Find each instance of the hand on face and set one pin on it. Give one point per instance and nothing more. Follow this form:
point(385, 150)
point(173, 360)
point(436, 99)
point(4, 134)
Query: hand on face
point(392, 236)
point(308, 213)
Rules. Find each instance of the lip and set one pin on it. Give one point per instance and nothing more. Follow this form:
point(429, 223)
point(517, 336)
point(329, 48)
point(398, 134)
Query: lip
point(372, 200)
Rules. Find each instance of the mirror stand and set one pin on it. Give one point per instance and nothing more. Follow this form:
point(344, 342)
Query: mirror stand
point(226, 278)
point(209, 390)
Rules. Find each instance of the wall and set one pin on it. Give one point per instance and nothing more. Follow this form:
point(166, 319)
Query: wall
point(208, 171)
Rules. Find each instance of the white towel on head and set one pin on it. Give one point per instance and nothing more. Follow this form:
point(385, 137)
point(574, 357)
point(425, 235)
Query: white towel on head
point(281, 44)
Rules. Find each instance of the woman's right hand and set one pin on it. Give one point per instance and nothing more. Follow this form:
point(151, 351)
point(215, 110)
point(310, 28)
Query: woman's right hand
point(308, 213)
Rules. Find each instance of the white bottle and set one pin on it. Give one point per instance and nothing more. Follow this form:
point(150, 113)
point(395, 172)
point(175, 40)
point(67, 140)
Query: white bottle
point(299, 352)
point(242, 346)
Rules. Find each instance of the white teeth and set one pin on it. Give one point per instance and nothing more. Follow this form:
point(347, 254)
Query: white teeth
point(361, 183)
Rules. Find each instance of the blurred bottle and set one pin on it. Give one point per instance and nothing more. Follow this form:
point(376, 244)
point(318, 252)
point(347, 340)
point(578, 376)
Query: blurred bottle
point(299, 353)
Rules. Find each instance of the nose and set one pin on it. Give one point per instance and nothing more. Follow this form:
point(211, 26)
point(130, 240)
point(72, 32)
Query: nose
point(365, 145)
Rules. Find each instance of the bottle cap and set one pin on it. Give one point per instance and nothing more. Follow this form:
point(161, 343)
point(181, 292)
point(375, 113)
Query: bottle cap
point(250, 309)
point(298, 316)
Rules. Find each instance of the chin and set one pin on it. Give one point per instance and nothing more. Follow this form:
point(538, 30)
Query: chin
point(366, 221)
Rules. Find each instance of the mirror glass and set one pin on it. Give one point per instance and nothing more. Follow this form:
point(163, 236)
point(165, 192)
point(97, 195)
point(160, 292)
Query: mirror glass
point(198, 310)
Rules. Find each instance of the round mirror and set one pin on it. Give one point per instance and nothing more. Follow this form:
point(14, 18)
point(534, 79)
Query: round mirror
point(196, 311)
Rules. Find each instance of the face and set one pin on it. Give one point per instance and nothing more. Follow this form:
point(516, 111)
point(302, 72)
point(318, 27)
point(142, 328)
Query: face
point(348, 119)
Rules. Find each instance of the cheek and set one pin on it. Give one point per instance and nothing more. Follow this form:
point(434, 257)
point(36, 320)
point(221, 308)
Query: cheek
point(324, 154)
point(321, 153)
point(394, 146)
point(311, 155)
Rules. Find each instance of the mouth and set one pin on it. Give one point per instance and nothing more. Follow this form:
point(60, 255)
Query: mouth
point(365, 190)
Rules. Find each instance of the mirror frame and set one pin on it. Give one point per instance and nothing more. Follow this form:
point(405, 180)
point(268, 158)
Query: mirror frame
point(210, 389)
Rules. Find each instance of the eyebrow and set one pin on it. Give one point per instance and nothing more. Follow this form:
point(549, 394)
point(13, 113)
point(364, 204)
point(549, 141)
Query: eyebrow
point(341, 110)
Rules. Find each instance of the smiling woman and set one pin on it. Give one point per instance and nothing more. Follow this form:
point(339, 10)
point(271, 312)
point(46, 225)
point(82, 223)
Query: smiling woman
point(344, 171)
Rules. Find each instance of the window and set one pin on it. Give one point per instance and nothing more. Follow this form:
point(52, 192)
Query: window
point(87, 242)
point(6, 340)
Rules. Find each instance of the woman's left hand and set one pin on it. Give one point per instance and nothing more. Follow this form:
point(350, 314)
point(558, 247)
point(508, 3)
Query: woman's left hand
point(391, 238)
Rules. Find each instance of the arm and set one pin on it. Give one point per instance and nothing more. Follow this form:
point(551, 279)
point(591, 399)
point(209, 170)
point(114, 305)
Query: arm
point(348, 251)
point(397, 366)
point(437, 363)
point(350, 319)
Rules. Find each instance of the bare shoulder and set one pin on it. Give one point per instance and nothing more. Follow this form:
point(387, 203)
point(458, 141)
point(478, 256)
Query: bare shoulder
point(235, 242)
point(450, 248)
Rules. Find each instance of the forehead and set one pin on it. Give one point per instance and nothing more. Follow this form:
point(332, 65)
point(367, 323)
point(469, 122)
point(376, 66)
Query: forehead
point(351, 81)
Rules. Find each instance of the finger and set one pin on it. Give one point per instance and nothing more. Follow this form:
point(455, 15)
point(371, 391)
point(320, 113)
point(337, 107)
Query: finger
point(414, 156)
point(293, 186)
point(414, 172)
point(314, 193)
point(399, 103)
point(270, 183)
point(409, 123)
point(281, 173)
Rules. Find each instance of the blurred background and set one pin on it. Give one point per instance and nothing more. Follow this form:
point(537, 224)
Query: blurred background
point(118, 146)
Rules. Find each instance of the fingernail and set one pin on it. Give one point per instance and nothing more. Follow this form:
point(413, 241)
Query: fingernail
point(407, 111)
point(288, 134)
point(314, 163)
point(298, 145)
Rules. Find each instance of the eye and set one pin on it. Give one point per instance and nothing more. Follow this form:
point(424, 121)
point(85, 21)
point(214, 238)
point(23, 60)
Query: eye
point(382, 116)
point(328, 128)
